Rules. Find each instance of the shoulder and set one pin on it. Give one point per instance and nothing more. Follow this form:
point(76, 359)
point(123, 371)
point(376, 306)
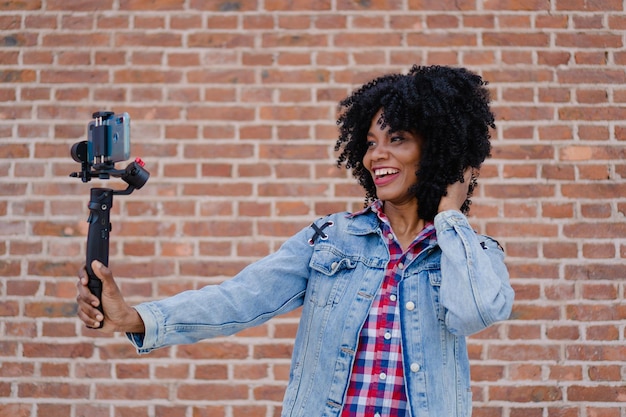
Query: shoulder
point(343, 224)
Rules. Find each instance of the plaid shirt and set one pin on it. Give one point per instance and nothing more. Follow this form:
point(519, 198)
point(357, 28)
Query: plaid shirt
point(376, 386)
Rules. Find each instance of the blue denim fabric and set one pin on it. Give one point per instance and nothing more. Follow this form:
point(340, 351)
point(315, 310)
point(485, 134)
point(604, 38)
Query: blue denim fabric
point(453, 289)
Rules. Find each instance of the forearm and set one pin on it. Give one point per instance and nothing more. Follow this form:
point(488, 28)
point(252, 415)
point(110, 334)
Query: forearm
point(475, 287)
point(271, 286)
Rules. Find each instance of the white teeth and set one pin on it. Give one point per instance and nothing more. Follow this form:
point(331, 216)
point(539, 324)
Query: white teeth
point(385, 171)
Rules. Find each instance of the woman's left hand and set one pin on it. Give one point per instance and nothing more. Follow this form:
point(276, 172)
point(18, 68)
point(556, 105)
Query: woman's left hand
point(457, 192)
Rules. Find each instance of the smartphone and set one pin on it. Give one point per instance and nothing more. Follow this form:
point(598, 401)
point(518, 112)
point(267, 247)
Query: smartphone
point(119, 137)
point(117, 146)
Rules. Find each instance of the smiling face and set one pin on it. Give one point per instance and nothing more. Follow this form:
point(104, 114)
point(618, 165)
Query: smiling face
point(392, 160)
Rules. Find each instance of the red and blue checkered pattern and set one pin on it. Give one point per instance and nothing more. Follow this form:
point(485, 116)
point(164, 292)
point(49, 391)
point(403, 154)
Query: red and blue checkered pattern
point(376, 385)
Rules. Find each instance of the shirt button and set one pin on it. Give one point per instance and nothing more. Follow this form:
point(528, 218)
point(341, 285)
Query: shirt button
point(382, 376)
point(393, 297)
point(390, 236)
point(410, 306)
point(377, 415)
point(387, 336)
point(400, 265)
point(415, 367)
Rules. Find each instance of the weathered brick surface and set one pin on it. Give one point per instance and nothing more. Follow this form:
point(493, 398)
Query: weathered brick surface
point(233, 106)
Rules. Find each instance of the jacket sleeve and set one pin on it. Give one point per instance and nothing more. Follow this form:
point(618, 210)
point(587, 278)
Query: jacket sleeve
point(475, 288)
point(264, 289)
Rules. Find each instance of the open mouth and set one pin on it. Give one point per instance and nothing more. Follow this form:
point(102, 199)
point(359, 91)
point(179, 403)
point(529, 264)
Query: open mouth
point(383, 172)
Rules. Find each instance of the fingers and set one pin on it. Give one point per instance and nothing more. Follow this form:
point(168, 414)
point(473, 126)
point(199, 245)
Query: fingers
point(101, 271)
point(87, 311)
point(82, 276)
point(91, 317)
point(104, 274)
point(87, 302)
point(116, 310)
point(456, 193)
point(84, 295)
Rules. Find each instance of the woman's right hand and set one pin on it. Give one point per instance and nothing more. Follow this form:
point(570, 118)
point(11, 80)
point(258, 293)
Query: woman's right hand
point(456, 194)
point(118, 315)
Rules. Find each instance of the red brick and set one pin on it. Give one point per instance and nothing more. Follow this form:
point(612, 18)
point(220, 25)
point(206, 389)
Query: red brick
point(526, 292)
point(270, 392)
point(594, 313)
point(16, 410)
point(589, 40)
point(602, 332)
point(522, 332)
point(212, 392)
point(605, 373)
point(22, 287)
point(566, 373)
point(594, 352)
point(593, 271)
point(53, 390)
point(560, 292)
point(599, 251)
point(602, 411)
point(305, 5)
point(529, 393)
point(526, 412)
point(523, 352)
point(132, 391)
point(600, 394)
point(596, 229)
point(206, 411)
point(211, 372)
point(250, 411)
point(59, 329)
point(132, 371)
point(486, 411)
point(563, 333)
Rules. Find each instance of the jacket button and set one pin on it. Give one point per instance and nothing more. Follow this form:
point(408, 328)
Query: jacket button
point(410, 306)
point(333, 265)
point(415, 367)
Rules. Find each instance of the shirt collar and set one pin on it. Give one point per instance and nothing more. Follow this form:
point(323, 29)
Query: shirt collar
point(376, 207)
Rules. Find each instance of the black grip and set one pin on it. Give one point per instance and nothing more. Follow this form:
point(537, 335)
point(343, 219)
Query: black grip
point(98, 237)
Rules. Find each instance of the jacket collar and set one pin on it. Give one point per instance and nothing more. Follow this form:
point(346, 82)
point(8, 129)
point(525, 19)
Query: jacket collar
point(365, 221)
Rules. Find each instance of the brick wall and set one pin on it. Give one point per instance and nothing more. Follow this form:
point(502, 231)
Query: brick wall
point(233, 109)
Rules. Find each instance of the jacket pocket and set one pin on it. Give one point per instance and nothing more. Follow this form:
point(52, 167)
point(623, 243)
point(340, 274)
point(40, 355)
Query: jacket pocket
point(428, 278)
point(434, 279)
point(331, 270)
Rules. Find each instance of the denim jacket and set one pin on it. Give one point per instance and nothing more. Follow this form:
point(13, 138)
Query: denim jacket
point(452, 289)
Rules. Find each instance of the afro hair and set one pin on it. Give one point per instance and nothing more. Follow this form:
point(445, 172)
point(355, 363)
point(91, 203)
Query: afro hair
point(447, 107)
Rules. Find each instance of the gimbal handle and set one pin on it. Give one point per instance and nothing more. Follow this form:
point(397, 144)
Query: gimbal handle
point(100, 205)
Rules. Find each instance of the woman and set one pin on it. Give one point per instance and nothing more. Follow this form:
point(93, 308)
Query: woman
point(388, 293)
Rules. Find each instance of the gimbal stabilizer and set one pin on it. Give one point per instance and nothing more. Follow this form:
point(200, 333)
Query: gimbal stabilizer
point(103, 167)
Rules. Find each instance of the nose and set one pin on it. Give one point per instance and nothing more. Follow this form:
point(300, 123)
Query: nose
point(380, 152)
